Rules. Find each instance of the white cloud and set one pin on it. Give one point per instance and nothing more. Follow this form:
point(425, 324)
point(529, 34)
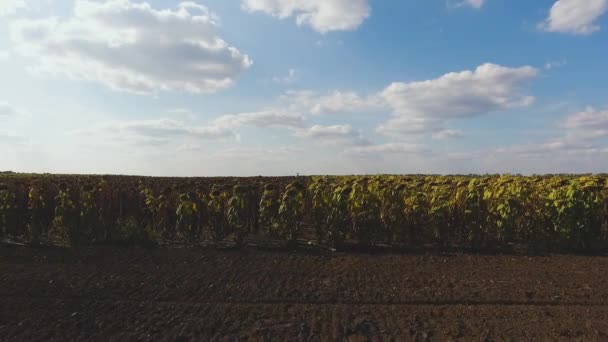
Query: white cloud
point(154, 132)
point(321, 15)
point(269, 118)
point(550, 149)
point(582, 131)
point(257, 153)
point(425, 105)
point(8, 7)
point(167, 128)
point(293, 108)
point(585, 126)
point(189, 147)
point(133, 47)
point(7, 110)
point(575, 16)
point(5, 55)
point(404, 126)
point(447, 134)
point(555, 64)
point(12, 138)
point(310, 102)
point(590, 118)
point(488, 88)
point(183, 113)
point(287, 79)
point(343, 134)
point(418, 107)
point(477, 4)
point(211, 132)
point(389, 148)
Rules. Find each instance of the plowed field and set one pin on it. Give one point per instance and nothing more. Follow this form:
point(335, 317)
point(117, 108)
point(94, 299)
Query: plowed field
point(112, 293)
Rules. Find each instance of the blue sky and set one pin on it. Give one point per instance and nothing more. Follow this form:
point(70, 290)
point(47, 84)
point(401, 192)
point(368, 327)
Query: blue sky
point(279, 87)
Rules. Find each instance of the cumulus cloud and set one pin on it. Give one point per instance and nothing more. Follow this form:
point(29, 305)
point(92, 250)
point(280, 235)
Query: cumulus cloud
point(425, 105)
point(447, 134)
point(555, 64)
point(164, 128)
point(341, 134)
point(581, 137)
point(7, 110)
point(477, 4)
point(389, 148)
point(321, 15)
point(8, 7)
point(488, 88)
point(269, 118)
point(287, 79)
point(294, 108)
point(584, 126)
point(575, 16)
point(310, 102)
point(154, 132)
point(256, 153)
point(12, 138)
point(344, 134)
point(189, 147)
point(417, 107)
point(133, 47)
point(404, 126)
point(550, 149)
point(588, 118)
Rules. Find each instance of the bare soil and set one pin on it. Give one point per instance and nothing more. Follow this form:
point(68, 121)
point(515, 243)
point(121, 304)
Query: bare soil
point(129, 293)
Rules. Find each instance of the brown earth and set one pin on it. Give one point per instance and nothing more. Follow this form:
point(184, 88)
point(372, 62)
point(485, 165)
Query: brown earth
point(112, 293)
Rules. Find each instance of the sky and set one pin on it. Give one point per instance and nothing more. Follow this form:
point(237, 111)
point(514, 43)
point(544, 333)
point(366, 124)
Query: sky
point(285, 87)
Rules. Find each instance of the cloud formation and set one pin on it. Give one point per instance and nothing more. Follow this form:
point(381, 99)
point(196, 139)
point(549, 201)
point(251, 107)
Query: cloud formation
point(477, 4)
point(165, 128)
point(335, 134)
point(7, 110)
point(447, 134)
point(589, 118)
point(581, 137)
point(133, 47)
point(8, 7)
point(154, 132)
point(575, 16)
point(312, 103)
point(287, 79)
point(269, 118)
point(321, 15)
point(12, 138)
point(425, 105)
point(382, 149)
point(417, 107)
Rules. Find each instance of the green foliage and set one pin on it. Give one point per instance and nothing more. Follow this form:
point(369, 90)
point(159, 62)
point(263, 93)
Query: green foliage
point(217, 219)
point(392, 211)
point(237, 215)
point(546, 213)
point(130, 232)
point(8, 210)
point(269, 210)
point(36, 206)
point(291, 212)
point(338, 220)
point(364, 208)
point(187, 214)
point(67, 220)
